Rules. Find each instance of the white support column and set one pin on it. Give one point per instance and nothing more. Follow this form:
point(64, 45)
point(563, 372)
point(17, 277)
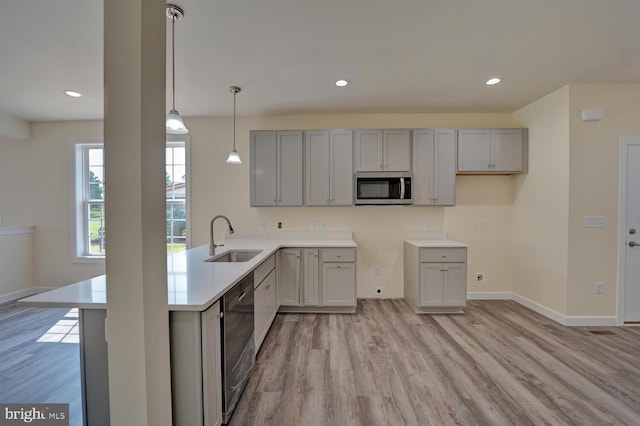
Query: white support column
point(134, 131)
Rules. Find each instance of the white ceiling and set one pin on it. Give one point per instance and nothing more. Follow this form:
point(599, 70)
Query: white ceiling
point(400, 55)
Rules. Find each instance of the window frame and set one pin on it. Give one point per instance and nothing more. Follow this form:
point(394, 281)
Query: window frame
point(80, 187)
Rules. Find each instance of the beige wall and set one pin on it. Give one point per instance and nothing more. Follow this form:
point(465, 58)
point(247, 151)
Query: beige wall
point(43, 197)
point(534, 243)
point(219, 188)
point(16, 263)
point(36, 189)
point(594, 167)
point(541, 206)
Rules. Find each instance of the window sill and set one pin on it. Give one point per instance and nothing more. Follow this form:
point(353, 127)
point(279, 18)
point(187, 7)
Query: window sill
point(89, 259)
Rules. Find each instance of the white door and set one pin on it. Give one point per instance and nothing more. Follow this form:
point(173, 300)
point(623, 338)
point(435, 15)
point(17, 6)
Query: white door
point(630, 228)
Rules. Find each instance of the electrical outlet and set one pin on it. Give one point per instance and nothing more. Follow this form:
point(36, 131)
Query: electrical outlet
point(378, 291)
point(262, 225)
point(279, 225)
point(426, 224)
point(599, 288)
point(377, 270)
point(480, 276)
point(482, 223)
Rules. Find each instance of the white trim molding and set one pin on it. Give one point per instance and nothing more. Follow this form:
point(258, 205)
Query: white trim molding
point(20, 294)
point(17, 231)
point(570, 321)
point(489, 295)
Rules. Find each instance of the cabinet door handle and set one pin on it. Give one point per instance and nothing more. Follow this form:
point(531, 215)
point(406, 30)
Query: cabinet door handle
point(446, 270)
point(339, 267)
point(442, 270)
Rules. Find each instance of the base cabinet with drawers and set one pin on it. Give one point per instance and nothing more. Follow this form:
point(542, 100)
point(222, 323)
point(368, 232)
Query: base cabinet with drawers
point(316, 279)
point(435, 278)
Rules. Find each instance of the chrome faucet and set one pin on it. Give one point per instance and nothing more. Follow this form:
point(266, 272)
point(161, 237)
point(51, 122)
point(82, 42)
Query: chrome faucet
point(212, 244)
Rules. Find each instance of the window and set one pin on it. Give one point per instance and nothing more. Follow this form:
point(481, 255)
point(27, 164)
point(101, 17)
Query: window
point(89, 181)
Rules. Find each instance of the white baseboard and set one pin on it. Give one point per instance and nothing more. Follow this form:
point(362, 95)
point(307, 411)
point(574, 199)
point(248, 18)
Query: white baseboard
point(17, 295)
point(489, 295)
point(568, 320)
point(578, 321)
point(571, 321)
point(541, 309)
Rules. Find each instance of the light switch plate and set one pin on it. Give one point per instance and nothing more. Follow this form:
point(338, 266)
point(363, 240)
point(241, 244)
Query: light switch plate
point(594, 221)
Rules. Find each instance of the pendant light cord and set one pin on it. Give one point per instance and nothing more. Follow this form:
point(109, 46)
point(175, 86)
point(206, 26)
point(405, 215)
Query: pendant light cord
point(173, 60)
point(234, 120)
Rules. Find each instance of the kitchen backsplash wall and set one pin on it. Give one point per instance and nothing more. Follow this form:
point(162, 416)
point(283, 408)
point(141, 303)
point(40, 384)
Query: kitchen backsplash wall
point(219, 188)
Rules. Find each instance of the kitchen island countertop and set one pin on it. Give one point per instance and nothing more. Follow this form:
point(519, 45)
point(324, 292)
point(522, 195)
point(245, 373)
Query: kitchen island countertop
point(194, 284)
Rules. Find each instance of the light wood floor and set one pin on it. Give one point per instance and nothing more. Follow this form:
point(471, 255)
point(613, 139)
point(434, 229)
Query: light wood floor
point(499, 364)
point(33, 371)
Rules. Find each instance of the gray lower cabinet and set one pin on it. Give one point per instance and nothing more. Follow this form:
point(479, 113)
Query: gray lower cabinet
point(288, 277)
point(317, 279)
point(196, 367)
point(265, 301)
point(435, 278)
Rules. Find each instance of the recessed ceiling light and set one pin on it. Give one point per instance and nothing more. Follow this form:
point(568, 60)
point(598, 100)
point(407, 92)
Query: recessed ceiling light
point(72, 93)
point(341, 83)
point(492, 81)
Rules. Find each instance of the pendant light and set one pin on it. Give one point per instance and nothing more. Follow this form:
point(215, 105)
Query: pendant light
point(175, 125)
point(234, 157)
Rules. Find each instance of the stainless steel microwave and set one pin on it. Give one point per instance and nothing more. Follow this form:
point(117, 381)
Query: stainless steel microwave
point(383, 188)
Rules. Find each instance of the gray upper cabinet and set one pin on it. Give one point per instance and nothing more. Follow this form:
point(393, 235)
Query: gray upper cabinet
point(328, 167)
point(276, 168)
point(383, 150)
point(434, 167)
point(492, 150)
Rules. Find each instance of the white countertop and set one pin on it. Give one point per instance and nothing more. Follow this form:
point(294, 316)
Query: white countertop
point(436, 243)
point(193, 284)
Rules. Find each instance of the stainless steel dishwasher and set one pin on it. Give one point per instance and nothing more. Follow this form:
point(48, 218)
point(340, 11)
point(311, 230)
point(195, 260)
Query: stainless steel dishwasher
point(238, 344)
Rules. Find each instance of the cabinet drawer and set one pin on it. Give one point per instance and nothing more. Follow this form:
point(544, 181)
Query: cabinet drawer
point(443, 255)
point(338, 255)
point(263, 270)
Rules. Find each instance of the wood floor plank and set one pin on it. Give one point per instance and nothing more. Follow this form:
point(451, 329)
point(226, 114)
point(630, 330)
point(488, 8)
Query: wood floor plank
point(498, 364)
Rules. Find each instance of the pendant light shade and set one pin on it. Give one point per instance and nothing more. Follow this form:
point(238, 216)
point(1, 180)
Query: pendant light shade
point(234, 157)
point(175, 125)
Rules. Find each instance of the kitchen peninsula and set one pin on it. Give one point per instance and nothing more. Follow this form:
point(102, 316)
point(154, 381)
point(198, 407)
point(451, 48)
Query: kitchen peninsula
point(196, 286)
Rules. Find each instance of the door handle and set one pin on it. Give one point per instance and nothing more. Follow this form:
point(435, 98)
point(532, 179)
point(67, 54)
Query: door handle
point(632, 231)
point(633, 244)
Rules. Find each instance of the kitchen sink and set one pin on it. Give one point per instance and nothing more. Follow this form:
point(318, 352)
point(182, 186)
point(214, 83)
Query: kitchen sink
point(234, 256)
